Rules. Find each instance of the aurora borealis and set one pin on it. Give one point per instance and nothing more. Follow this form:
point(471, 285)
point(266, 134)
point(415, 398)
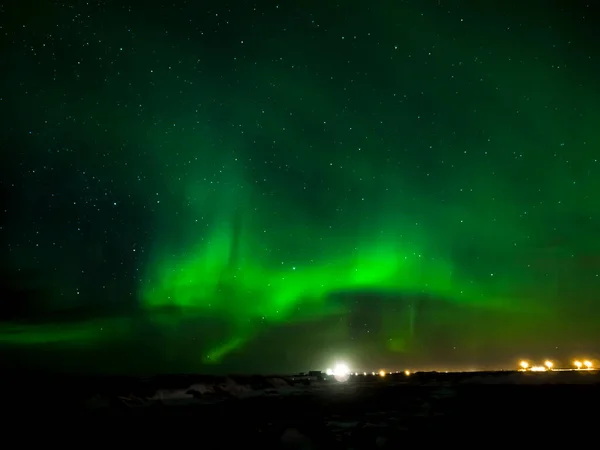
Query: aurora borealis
point(267, 186)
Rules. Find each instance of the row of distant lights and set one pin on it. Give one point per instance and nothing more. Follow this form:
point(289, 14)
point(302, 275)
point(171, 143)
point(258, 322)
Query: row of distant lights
point(383, 373)
point(341, 372)
point(549, 365)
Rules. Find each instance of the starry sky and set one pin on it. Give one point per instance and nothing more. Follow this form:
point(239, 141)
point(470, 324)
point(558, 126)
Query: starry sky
point(274, 185)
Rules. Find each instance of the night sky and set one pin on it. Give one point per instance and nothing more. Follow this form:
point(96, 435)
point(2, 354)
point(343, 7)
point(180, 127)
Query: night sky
point(274, 186)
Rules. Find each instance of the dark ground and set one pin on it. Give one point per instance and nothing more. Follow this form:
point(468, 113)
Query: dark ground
point(423, 410)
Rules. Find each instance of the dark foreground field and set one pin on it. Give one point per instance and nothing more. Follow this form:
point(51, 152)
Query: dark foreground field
point(373, 412)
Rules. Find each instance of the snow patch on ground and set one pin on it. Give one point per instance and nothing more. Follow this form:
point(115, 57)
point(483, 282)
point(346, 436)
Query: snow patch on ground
point(342, 425)
point(227, 389)
point(168, 394)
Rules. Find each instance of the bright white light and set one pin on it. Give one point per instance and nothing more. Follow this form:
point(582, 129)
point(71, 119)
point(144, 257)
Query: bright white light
point(329, 372)
point(341, 368)
point(341, 372)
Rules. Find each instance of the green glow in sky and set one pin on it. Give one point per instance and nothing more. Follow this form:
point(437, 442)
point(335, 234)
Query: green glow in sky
point(286, 184)
point(229, 274)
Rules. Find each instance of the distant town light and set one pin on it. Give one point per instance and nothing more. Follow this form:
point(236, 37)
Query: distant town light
point(524, 365)
point(407, 372)
point(588, 364)
point(578, 364)
point(549, 365)
point(382, 373)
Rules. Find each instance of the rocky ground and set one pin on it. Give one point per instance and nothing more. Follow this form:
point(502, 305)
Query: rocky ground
point(433, 409)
